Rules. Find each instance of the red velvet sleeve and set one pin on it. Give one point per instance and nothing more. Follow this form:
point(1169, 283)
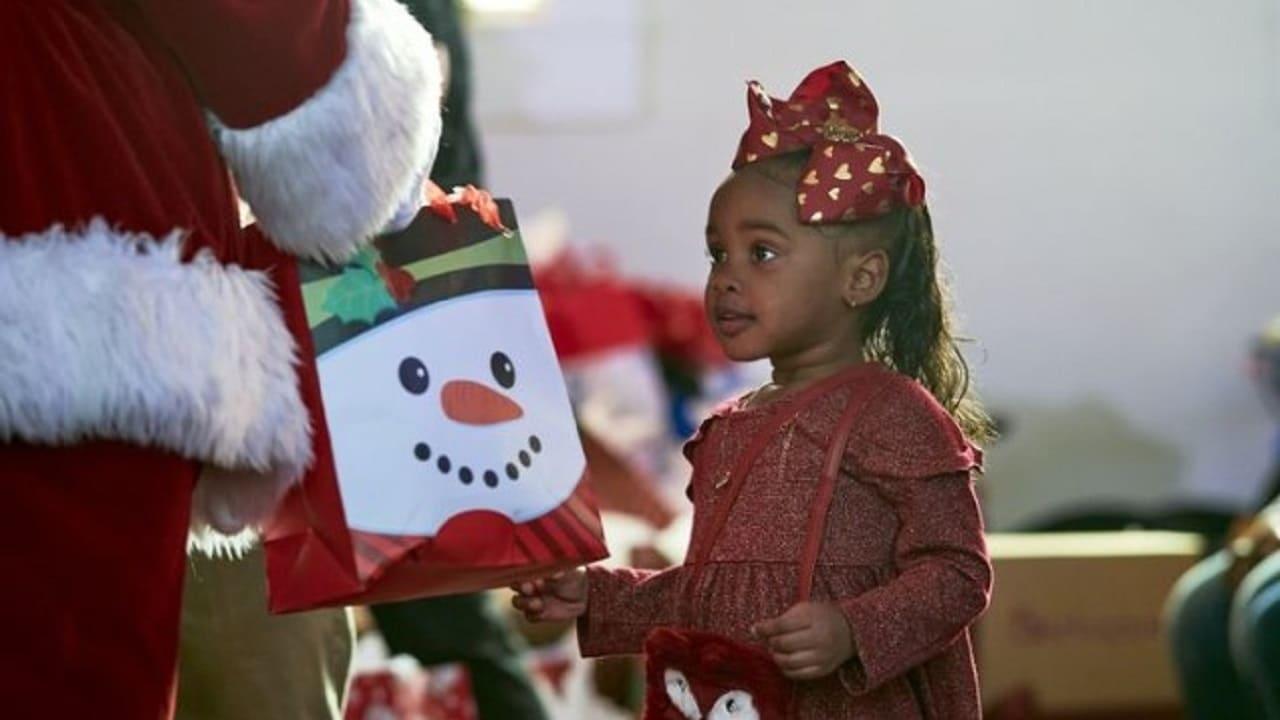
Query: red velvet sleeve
point(915, 456)
point(623, 605)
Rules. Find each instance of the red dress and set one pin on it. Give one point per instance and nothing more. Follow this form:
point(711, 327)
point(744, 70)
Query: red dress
point(142, 333)
point(903, 556)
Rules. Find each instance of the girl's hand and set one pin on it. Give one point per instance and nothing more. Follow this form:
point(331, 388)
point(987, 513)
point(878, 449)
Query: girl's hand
point(809, 641)
point(562, 596)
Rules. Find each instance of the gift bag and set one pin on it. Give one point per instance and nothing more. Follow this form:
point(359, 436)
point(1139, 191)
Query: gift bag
point(448, 459)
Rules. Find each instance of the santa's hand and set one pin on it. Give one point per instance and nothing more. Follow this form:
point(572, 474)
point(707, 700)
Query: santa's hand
point(231, 500)
point(408, 206)
point(560, 597)
point(811, 640)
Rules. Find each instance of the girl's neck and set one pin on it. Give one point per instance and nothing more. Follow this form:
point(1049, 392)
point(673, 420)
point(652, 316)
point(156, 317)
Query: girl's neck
point(794, 372)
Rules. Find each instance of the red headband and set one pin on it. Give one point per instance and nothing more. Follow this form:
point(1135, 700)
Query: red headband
point(853, 172)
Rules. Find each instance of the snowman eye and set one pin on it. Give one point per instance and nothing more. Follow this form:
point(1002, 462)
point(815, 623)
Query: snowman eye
point(503, 370)
point(413, 375)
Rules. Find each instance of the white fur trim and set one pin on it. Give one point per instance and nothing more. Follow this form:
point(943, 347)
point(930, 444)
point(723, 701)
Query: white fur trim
point(107, 334)
point(203, 539)
point(328, 175)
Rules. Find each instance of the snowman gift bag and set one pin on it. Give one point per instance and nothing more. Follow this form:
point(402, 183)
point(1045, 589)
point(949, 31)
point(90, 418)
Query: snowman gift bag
point(448, 460)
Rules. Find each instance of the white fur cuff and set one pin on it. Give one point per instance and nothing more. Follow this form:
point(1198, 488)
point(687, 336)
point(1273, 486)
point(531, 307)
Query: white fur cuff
point(328, 175)
point(107, 334)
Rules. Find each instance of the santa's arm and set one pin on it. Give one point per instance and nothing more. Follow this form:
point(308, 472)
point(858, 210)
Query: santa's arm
point(623, 605)
point(327, 111)
point(943, 582)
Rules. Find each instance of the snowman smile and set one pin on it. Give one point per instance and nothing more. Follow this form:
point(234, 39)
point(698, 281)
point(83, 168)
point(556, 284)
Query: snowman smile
point(523, 460)
point(471, 403)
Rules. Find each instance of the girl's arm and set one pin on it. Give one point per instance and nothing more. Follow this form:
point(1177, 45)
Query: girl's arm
point(623, 605)
point(943, 582)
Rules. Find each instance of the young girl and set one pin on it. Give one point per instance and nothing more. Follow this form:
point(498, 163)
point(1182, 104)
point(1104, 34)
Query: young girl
point(823, 260)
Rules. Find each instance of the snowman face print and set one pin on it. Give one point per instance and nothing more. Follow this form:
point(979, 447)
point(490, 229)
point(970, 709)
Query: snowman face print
point(459, 406)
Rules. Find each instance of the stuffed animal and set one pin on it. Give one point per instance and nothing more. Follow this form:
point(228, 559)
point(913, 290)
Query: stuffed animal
point(695, 675)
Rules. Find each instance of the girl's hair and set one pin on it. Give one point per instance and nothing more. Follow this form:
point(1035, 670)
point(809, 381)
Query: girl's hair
point(910, 327)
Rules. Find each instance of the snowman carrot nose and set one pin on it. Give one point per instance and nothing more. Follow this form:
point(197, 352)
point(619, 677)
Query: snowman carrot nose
point(471, 403)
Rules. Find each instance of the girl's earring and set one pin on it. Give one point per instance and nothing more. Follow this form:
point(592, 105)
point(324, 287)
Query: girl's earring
point(851, 303)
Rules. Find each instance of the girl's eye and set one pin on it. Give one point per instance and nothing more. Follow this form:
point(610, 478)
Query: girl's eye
point(763, 253)
point(715, 255)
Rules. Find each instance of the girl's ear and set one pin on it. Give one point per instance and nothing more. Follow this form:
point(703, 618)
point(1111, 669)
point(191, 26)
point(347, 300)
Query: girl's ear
point(865, 275)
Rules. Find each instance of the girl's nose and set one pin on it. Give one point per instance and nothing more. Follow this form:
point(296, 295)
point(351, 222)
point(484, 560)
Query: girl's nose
point(723, 281)
point(471, 403)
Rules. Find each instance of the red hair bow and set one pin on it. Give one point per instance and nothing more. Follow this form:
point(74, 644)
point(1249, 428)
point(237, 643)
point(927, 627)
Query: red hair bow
point(854, 172)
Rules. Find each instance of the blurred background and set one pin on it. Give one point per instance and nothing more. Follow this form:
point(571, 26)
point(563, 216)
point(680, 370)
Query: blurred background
point(1102, 176)
point(1103, 180)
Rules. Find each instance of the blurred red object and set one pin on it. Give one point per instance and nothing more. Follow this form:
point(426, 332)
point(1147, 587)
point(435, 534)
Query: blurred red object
point(620, 487)
point(384, 695)
point(449, 694)
point(590, 308)
point(407, 692)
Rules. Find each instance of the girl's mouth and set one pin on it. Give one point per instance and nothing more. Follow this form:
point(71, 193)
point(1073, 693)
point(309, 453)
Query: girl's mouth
point(730, 323)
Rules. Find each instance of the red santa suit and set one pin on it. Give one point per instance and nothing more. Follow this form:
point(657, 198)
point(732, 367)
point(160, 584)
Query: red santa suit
point(143, 334)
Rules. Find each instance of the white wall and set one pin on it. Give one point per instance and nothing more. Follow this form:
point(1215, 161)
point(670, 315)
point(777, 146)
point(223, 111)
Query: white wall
point(1103, 177)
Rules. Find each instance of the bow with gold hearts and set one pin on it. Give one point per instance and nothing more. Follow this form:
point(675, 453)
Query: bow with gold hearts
point(853, 171)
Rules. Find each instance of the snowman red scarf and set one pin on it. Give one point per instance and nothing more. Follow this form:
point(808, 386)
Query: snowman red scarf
point(695, 675)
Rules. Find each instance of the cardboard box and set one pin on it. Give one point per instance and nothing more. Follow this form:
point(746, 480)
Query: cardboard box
point(1075, 622)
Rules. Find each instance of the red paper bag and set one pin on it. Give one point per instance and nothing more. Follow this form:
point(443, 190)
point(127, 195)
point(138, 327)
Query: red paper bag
point(448, 459)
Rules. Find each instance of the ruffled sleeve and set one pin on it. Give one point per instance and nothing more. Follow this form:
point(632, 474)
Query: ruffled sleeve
point(914, 455)
point(905, 433)
point(695, 441)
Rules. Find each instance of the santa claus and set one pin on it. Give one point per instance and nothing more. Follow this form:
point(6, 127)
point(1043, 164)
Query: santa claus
point(149, 348)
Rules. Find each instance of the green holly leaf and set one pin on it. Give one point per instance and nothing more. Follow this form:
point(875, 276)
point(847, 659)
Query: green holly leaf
point(358, 296)
point(368, 258)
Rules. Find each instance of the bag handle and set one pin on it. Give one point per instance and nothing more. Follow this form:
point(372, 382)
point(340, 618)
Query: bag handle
point(737, 480)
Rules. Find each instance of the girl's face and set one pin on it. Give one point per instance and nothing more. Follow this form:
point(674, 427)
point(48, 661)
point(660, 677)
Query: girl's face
point(775, 288)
